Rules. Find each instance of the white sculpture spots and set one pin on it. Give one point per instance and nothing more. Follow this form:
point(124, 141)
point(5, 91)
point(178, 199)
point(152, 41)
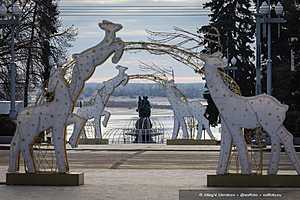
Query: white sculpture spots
point(55, 115)
point(239, 112)
point(96, 110)
point(183, 108)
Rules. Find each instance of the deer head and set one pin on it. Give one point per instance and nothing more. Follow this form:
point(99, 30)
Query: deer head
point(110, 27)
point(110, 38)
point(122, 73)
point(214, 60)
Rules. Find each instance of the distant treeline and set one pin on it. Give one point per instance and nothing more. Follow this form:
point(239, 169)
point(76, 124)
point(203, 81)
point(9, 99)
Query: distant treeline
point(191, 90)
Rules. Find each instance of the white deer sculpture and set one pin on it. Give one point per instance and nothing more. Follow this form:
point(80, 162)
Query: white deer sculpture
point(181, 106)
point(101, 98)
point(239, 112)
point(33, 120)
point(184, 108)
point(56, 114)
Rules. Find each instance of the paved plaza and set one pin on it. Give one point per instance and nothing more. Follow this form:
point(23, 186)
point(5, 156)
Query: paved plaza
point(140, 172)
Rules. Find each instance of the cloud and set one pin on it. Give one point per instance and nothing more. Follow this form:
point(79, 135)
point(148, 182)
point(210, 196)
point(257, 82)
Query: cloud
point(134, 30)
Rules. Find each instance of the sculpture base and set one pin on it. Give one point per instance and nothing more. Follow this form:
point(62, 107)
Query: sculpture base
point(93, 141)
point(239, 180)
point(5, 139)
point(192, 142)
point(45, 179)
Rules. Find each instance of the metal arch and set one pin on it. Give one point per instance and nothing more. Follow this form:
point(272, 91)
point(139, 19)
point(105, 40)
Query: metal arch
point(151, 77)
point(158, 79)
point(191, 59)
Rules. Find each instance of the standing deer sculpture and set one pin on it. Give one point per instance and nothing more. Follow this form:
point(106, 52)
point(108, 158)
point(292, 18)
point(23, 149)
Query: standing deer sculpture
point(33, 120)
point(239, 112)
point(182, 107)
point(96, 110)
point(58, 113)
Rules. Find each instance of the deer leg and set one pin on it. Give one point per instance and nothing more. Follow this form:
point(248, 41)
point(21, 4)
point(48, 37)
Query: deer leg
point(175, 128)
point(241, 146)
point(27, 155)
point(79, 123)
point(184, 128)
point(287, 139)
point(275, 155)
point(14, 153)
point(225, 150)
point(98, 133)
point(199, 129)
point(207, 128)
point(106, 118)
point(59, 146)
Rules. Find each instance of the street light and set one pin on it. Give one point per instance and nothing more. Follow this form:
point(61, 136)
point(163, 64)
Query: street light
point(264, 8)
point(12, 14)
point(3, 9)
point(279, 9)
point(264, 17)
point(231, 66)
point(293, 40)
point(233, 61)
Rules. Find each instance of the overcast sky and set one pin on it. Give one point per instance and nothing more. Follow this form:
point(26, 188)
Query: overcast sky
point(134, 30)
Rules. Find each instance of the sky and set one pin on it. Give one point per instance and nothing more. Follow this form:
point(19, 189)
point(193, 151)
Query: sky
point(134, 28)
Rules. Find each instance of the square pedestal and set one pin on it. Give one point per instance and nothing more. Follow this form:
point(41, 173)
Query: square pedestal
point(88, 141)
point(239, 180)
point(45, 179)
point(191, 142)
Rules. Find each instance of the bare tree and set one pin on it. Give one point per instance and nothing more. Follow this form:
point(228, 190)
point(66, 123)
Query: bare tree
point(41, 43)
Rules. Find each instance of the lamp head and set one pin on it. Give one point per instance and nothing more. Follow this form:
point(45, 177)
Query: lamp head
point(3, 9)
point(279, 9)
point(15, 9)
point(233, 61)
point(264, 8)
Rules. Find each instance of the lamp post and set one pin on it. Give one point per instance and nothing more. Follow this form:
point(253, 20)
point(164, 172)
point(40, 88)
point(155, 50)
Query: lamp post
point(293, 40)
point(264, 17)
point(9, 17)
point(233, 62)
point(258, 51)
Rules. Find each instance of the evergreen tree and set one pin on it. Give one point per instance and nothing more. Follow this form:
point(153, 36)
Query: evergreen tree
point(236, 25)
point(285, 82)
point(212, 113)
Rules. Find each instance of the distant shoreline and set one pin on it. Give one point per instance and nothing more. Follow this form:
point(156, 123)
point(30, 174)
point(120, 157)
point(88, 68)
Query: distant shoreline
point(133, 104)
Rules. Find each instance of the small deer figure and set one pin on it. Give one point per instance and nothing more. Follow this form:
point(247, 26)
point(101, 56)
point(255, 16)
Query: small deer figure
point(181, 106)
point(101, 98)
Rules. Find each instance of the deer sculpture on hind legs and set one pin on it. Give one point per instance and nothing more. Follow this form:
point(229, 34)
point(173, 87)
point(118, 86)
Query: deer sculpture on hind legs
point(88, 60)
point(239, 112)
point(55, 115)
point(96, 110)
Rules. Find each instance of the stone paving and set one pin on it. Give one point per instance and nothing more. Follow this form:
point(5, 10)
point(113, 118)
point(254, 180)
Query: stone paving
point(131, 172)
